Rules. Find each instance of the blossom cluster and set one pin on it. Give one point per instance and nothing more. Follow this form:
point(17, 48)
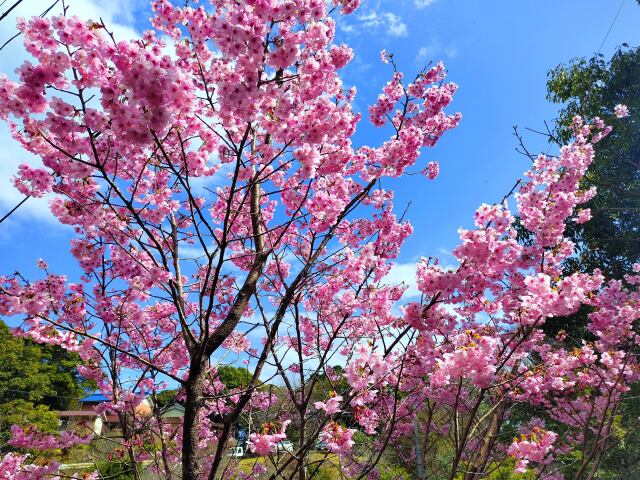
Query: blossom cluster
point(217, 195)
point(265, 443)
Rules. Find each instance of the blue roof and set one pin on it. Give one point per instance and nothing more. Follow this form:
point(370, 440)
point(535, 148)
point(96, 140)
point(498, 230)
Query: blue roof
point(95, 397)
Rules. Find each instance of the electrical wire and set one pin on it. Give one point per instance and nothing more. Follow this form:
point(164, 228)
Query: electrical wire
point(611, 26)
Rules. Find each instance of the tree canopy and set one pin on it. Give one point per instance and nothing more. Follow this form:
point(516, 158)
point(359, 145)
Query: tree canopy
point(610, 241)
point(285, 265)
point(35, 379)
point(234, 377)
point(42, 374)
point(592, 87)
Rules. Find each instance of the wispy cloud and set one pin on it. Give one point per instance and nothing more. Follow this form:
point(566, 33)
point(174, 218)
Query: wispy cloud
point(435, 50)
point(391, 23)
point(423, 3)
point(119, 15)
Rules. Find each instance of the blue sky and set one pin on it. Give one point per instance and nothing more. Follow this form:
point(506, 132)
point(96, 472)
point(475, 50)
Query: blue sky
point(498, 52)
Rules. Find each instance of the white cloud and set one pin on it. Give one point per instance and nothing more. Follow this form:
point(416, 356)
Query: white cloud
point(395, 26)
point(423, 3)
point(404, 273)
point(451, 52)
point(434, 50)
point(424, 53)
point(118, 15)
point(390, 22)
point(445, 253)
point(347, 28)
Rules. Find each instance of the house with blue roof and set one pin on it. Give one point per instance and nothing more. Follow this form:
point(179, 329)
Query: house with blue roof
point(92, 400)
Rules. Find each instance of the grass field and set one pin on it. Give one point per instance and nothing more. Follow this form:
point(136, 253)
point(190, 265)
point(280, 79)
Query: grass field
point(322, 466)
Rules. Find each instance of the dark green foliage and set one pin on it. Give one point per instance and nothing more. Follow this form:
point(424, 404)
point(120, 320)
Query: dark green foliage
point(37, 373)
point(166, 397)
point(21, 373)
point(115, 470)
point(35, 380)
point(623, 461)
point(573, 327)
point(592, 88)
point(234, 377)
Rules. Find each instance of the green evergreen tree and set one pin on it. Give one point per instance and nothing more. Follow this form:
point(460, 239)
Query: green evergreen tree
point(592, 88)
point(35, 380)
point(234, 377)
point(611, 240)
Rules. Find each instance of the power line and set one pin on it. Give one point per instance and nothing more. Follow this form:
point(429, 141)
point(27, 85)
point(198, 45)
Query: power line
point(611, 26)
point(14, 208)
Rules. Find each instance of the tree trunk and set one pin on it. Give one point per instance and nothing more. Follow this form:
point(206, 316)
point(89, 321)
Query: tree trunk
point(194, 388)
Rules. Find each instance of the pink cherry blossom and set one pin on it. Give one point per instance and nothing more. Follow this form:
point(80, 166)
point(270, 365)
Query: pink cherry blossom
point(263, 444)
point(331, 406)
point(621, 111)
point(339, 439)
point(533, 447)
point(224, 212)
point(432, 170)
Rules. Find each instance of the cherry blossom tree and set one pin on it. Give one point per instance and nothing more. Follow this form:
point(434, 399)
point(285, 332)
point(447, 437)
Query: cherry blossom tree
point(222, 214)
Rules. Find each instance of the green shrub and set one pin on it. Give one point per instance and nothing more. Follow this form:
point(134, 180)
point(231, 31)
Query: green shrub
point(115, 471)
